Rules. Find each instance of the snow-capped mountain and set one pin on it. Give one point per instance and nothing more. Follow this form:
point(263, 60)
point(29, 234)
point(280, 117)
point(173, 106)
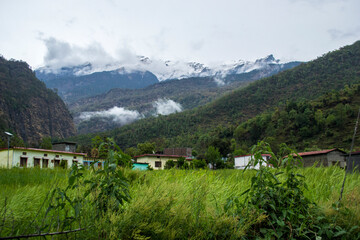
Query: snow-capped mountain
point(165, 70)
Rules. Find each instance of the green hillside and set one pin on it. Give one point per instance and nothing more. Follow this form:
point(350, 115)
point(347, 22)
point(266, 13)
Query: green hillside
point(217, 121)
point(27, 108)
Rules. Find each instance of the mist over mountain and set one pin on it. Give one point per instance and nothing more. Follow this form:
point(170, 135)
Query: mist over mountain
point(112, 109)
point(85, 80)
point(221, 120)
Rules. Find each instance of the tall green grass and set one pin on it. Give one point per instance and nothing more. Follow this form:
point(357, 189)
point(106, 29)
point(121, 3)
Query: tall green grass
point(177, 204)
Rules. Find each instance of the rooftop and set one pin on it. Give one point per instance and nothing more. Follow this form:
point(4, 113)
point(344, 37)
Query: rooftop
point(43, 150)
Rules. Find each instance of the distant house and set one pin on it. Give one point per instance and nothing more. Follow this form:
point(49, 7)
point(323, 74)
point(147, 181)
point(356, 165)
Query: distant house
point(157, 161)
point(242, 161)
point(65, 146)
point(324, 158)
point(353, 164)
point(42, 158)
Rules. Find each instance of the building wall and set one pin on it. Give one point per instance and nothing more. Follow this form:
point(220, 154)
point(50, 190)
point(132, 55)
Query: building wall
point(242, 162)
point(353, 164)
point(4, 158)
point(326, 160)
point(320, 160)
point(30, 158)
point(151, 160)
point(336, 158)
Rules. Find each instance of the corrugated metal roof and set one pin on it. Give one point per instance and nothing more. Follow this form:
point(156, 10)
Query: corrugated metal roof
point(162, 155)
point(319, 152)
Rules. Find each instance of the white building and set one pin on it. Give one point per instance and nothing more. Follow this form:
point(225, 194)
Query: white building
point(33, 157)
point(242, 161)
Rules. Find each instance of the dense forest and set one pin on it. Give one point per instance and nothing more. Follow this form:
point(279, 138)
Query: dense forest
point(27, 108)
point(227, 122)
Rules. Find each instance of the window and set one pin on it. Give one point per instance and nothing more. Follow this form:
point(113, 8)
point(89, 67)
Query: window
point(24, 153)
point(57, 156)
point(56, 163)
point(45, 155)
point(45, 163)
point(158, 164)
point(36, 162)
point(74, 157)
point(23, 162)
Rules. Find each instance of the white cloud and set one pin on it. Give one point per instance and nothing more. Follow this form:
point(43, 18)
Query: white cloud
point(219, 81)
point(166, 106)
point(62, 54)
point(117, 114)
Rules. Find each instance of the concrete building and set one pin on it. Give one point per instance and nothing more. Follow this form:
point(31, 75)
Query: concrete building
point(43, 158)
point(242, 161)
point(325, 158)
point(157, 161)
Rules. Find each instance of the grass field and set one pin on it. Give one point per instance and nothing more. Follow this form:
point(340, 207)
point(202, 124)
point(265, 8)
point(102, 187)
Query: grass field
point(169, 204)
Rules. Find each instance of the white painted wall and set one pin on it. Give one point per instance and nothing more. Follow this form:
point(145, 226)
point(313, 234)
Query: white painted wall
point(41, 154)
point(242, 161)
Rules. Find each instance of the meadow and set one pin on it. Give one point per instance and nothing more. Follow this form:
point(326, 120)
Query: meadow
point(168, 204)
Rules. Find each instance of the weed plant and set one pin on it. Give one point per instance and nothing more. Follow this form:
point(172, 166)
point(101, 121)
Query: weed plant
point(180, 204)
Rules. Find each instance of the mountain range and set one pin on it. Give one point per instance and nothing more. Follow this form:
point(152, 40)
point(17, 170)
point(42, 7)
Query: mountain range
point(75, 82)
point(215, 123)
point(100, 100)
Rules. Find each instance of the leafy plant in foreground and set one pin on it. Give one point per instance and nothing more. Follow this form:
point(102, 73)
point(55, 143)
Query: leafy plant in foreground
point(278, 195)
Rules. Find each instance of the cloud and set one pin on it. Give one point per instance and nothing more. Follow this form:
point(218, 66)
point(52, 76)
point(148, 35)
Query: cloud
point(166, 106)
point(116, 114)
point(219, 81)
point(62, 54)
point(339, 34)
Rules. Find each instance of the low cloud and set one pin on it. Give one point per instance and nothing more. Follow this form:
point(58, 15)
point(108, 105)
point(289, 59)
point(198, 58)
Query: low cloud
point(62, 54)
point(166, 106)
point(219, 81)
point(118, 115)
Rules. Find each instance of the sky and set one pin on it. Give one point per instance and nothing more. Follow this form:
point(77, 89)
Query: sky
point(70, 32)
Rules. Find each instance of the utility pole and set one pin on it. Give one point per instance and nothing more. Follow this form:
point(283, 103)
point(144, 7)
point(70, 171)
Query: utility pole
point(9, 135)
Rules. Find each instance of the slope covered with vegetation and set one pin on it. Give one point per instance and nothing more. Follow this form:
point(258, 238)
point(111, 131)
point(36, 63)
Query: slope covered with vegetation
point(27, 108)
point(196, 127)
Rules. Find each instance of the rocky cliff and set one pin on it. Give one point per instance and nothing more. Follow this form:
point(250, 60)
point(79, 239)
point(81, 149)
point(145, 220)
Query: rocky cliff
point(27, 108)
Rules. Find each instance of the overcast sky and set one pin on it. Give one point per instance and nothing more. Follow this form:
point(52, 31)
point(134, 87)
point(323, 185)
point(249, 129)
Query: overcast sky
point(42, 31)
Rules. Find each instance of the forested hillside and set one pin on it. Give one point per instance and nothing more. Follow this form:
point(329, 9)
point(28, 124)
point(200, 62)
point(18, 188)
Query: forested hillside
point(27, 108)
point(220, 118)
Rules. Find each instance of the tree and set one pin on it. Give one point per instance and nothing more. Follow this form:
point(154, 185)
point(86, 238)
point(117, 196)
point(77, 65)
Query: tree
point(212, 156)
point(196, 163)
point(46, 143)
point(146, 148)
point(169, 164)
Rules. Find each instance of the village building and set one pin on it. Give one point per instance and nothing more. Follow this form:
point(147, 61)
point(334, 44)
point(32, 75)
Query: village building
point(242, 161)
point(64, 146)
point(353, 163)
point(324, 158)
point(156, 161)
point(42, 158)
